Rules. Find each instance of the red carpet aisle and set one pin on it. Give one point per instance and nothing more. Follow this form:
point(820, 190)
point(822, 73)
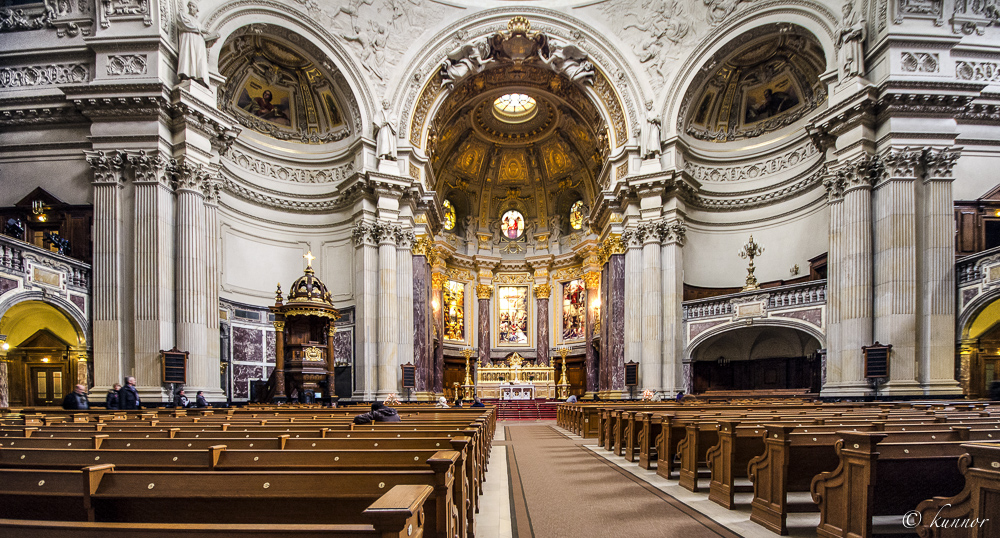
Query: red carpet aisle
point(561, 489)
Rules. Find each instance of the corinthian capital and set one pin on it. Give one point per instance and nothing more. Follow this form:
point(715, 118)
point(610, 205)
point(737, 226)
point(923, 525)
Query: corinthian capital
point(189, 176)
point(859, 172)
point(364, 234)
point(672, 231)
point(633, 237)
point(899, 163)
point(150, 168)
point(107, 166)
point(210, 187)
point(404, 238)
point(940, 162)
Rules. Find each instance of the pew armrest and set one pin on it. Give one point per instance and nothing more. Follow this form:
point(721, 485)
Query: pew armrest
point(400, 512)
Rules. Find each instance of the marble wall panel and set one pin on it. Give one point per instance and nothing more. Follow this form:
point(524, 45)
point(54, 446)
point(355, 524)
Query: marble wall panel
point(484, 330)
point(421, 326)
point(242, 375)
point(543, 331)
point(343, 347)
point(7, 284)
point(248, 346)
point(269, 355)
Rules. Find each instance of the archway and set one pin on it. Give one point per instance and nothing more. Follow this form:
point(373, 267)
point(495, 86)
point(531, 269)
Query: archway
point(979, 360)
point(47, 354)
point(760, 358)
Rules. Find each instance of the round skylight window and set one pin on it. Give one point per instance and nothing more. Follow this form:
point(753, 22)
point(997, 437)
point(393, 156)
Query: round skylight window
point(514, 108)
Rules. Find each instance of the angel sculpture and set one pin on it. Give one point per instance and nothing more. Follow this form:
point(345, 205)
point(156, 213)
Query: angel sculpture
point(467, 59)
point(470, 230)
point(567, 59)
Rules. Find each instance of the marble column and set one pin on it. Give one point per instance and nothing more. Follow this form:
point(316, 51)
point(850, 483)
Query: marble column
point(632, 323)
point(153, 229)
point(211, 365)
point(422, 318)
point(484, 292)
point(366, 290)
point(438, 280)
point(192, 334)
point(279, 360)
point(835, 198)
point(895, 260)
point(937, 348)
point(542, 294)
point(107, 276)
point(603, 382)
point(4, 385)
point(404, 286)
point(616, 331)
point(388, 312)
point(855, 278)
point(672, 234)
point(592, 279)
point(651, 303)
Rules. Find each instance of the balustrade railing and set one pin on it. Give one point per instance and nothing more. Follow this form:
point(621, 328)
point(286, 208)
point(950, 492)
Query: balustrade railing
point(966, 270)
point(15, 255)
point(790, 296)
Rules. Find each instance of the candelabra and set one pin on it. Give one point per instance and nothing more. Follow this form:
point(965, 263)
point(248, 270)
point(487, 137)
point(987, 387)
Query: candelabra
point(467, 353)
point(563, 383)
point(750, 251)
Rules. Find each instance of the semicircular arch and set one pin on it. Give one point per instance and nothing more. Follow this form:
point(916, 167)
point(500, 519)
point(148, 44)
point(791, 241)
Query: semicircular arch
point(66, 309)
point(788, 323)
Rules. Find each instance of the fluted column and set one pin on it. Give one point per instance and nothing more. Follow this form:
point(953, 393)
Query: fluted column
point(542, 294)
point(484, 292)
point(404, 288)
point(192, 281)
point(211, 365)
point(937, 362)
point(366, 290)
point(855, 279)
point(388, 311)
point(107, 276)
point(835, 196)
point(154, 267)
point(633, 296)
point(672, 234)
point(438, 278)
point(592, 279)
point(651, 368)
point(895, 257)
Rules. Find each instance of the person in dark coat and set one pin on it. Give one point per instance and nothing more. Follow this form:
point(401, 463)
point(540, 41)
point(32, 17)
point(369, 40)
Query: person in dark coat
point(477, 402)
point(379, 413)
point(76, 399)
point(181, 400)
point(111, 400)
point(128, 396)
point(200, 401)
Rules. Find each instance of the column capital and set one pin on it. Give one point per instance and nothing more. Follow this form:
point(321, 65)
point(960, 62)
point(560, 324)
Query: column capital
point(632, 238)
point(592, 279)
point(438, 280)
point(671, 231)
point(859, 172)
point(150, 168)
point(613, 244)
point(939, 163)
point(834, 185)
point(364, 233)
point(107, 166)
point(404, 238)
point(897, 163)
point(190, 176)
point(543, 291)
point(484, 291)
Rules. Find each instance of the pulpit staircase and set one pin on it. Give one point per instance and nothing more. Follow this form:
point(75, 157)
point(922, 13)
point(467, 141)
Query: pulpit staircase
point(537, 409)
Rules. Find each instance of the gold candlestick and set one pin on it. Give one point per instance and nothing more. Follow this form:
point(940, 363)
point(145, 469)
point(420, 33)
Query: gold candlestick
point(751, 250)
point(562, 353)
point(467, 353)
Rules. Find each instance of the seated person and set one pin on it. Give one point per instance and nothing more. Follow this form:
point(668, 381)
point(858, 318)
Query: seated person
point(477, 402)
point(458, 402)
point(442, 403)
point(379, 413)
point(200, 400)
point(181, 401)
point(572, 398)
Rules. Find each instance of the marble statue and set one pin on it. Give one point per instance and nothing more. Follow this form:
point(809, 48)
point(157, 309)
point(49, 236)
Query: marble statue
point(651, 139)
point(470, 230)
point(466, 60)
point(385, 146)
point(192, 52)
point(555, 227)
point(567, 59)
point(850, 44)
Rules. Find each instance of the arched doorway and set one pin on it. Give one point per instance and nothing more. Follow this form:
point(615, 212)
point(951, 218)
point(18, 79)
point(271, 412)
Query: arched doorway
point(46, 357)
point(979, 361)
point(757, 358)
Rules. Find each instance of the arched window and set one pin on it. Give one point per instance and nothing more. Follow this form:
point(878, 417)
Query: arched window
point(449, 215)
point(576, 215)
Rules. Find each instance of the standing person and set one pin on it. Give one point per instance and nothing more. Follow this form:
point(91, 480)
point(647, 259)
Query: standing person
point(128, 396)
point(76, 399)
point(111, 400)
point(180, 400)
point(200, 401)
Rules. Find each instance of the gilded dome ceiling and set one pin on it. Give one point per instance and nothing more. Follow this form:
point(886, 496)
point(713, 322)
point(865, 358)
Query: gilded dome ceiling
point(761, 82)
point(279, 84)
point(540, 160)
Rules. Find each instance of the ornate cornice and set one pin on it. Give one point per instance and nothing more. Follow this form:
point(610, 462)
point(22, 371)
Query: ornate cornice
point(280, 172)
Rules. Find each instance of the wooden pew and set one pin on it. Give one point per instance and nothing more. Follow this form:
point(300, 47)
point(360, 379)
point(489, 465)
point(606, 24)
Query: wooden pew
point(876, 478)
point(973, 512)
point(698, 439)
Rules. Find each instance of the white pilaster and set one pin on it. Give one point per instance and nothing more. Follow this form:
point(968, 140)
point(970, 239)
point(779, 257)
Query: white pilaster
point(633, 297)
point(651, 368)
point(404, 290)
point(192, 334)
point(672, 264)
point(388, 310)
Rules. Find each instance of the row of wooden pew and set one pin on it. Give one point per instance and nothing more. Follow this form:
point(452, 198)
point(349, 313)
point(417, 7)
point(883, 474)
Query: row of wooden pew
point(927, 468)
point(298, 472)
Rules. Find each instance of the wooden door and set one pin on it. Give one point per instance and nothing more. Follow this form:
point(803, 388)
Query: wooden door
point(991, 373)
point(46, 384)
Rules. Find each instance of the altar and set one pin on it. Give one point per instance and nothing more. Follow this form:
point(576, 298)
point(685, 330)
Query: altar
point(524, 391)
point(514, 380)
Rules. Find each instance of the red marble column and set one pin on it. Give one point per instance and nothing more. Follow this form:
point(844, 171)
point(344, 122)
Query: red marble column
point(484, 292)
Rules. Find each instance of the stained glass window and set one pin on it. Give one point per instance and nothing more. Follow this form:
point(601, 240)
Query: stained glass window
point(449, 215)
point(454, 311)
point(512, 315)
point(512, 224)
point(576, 215)
point(574, 312)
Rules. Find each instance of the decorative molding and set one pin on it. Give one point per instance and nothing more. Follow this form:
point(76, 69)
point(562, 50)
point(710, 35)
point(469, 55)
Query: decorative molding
point(126, 64)
point(919, 9)
point(920, 62)
point(43, 75)
point(438, 280)
point(567, 273)
point(543, 291)
point(977, 71)
point(739, 201)
point(972, 17)
point(15, 20)
point(756, 170)
point(124, 10)
point(484, 291)
point(515, 278)
point(592, 279)
point(335, 174)
point(460, 275)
